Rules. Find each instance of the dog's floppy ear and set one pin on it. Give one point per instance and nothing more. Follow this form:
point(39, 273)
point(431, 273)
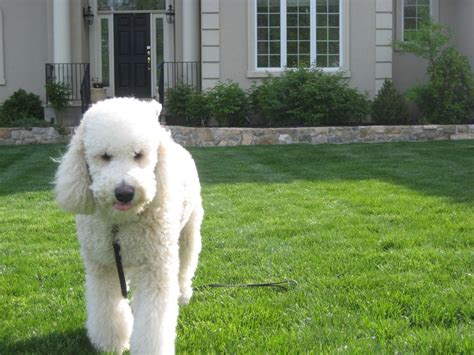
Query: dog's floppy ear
point(73, 179)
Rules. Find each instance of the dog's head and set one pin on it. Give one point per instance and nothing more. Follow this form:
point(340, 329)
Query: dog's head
point(112, 159)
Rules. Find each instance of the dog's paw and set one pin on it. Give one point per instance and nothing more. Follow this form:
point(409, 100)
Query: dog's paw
point(185, 296)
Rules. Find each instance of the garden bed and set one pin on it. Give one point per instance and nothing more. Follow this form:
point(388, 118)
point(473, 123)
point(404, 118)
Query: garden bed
point(233, 136)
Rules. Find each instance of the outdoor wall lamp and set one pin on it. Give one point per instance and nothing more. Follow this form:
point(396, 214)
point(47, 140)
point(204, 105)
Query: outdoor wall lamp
point(88, 15)
point(170, 14)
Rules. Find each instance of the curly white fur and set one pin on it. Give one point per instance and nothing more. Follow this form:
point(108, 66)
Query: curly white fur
point(120, 143)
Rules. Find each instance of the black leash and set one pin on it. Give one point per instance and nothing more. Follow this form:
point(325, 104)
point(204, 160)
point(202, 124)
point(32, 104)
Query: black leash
point(118, 261)
point(281, 285)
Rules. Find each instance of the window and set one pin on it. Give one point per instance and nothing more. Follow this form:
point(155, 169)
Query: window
point(298, 33)
point(117, 5)
point(414, 12)
point(104, 47)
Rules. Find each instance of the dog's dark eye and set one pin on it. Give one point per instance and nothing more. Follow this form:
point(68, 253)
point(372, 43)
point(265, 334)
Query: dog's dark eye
point(106, 157)
point(138, 156)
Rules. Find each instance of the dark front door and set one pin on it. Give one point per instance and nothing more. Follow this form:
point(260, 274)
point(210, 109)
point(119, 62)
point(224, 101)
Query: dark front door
point(131, 42)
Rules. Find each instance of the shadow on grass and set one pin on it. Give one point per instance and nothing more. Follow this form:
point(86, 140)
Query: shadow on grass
point(71, 342)
point(28, 168)
point(442, 168)
point(436, 168)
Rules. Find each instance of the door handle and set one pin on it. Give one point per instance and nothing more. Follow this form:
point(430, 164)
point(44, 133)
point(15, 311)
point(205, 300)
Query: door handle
point(148, 57)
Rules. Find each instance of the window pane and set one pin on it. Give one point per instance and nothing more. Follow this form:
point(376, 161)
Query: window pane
point(262, 47)
point(262, 34)
point(321, 20)
point(410, 24)
point(275, 47)
point(322, 6)
point(327, 33)
point(322, 47)
point(322, 61)
point(111, 5)
point(333, 6)
point(304, 47)
point(333, 61)
point(262, 20)
point(275, 61)
point(268, 33)
point(334, 34)
point(298, 33)
point(333, 20)
point(292, 47)
point(104, 43)
point(262, 6)
point(262, 61)
point(321, 34)
point(304, 20)
point(333, 47)
point(414, 13)
point(159, 45)
point(275, 6)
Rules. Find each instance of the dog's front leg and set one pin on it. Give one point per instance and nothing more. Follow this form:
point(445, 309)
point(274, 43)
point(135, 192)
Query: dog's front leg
point(109, 318)
point(155, 304)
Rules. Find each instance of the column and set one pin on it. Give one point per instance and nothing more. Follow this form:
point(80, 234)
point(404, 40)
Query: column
point(61, 31)
point(191, 30)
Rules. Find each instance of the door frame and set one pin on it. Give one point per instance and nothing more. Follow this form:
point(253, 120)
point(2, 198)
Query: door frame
point(96, 52)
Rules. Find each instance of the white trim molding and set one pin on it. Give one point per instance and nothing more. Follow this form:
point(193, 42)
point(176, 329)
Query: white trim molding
point(210, 43)
point(383, 42)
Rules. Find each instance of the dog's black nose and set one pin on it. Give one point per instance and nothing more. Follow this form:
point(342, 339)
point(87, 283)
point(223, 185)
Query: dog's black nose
point(124, 193)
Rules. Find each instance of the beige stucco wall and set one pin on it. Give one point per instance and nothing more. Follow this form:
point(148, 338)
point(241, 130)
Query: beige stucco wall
point(28, 42)
point(234, 43)
point(463, 27)
point(25, 45)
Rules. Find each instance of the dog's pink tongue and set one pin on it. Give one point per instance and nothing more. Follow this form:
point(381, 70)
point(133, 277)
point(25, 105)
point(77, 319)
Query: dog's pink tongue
point(122, 206)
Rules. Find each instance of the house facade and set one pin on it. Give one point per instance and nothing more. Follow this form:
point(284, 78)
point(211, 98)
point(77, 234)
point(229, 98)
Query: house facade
point(142, 47)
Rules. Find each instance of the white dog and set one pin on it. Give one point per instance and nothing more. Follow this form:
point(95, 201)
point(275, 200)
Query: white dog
point(123, 171)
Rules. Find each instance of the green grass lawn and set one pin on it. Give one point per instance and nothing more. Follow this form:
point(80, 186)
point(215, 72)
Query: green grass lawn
point(379, 238)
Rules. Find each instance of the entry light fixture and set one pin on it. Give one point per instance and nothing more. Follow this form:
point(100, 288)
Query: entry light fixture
point(170, 14)
point(88, 15)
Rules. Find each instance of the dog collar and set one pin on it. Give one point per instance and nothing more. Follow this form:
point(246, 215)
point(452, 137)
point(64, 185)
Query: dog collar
point(118, 261)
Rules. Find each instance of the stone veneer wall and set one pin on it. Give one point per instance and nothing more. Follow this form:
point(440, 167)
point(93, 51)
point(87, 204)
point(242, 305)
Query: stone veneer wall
point(216, 136)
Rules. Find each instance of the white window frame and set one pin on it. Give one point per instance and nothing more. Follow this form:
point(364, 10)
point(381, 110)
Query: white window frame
point(255, 72)
point(166, 49)
point(110, 18)
point(434, 14)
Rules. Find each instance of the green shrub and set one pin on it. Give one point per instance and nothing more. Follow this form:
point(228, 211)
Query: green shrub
point(21, 105)
point(185, 102)
point(58, 95)
point(448, 98)
point(228, 104)
point(389, 106)
point(177, 100)
point(308, 97)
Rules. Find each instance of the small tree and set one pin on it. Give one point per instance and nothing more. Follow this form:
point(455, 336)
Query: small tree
point(389, 106)
point(449, 95)
point(426, 42)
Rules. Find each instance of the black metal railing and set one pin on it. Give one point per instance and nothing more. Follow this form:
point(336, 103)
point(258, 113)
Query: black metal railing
point(173, 74)
point(76, 77)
